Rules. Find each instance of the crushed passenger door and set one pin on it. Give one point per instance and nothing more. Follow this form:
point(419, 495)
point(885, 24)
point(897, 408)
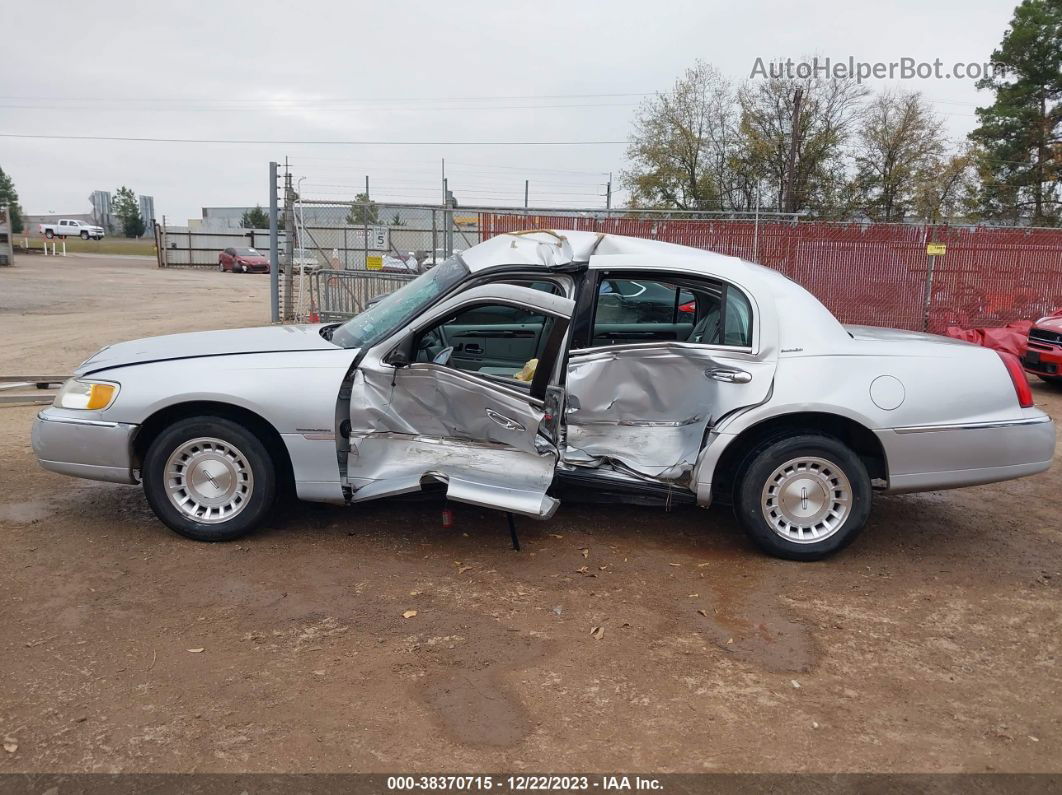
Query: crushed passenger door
point(419, 413)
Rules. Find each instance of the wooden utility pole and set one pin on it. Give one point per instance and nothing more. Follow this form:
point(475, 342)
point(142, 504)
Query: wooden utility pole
point(794, 144)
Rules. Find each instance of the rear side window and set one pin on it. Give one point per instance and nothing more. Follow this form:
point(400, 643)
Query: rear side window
point(738, 328)
point(631, 309)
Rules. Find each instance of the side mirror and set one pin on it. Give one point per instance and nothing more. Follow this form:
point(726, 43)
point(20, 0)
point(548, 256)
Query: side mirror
point(401, 356)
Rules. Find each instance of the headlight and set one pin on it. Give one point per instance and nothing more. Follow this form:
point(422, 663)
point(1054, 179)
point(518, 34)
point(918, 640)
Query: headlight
point(88, 395)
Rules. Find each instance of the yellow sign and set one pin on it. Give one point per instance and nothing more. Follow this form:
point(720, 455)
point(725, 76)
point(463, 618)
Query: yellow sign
point(374, 262)
point(936, 249)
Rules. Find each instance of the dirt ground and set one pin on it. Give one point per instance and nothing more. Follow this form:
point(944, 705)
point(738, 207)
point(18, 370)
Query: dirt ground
point(931, 644)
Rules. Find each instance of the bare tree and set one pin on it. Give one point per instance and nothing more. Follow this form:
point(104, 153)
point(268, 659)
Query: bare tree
point(830, 109)
point(681, 144)
point(900, 139)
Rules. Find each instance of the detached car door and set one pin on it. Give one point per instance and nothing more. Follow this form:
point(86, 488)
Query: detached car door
point(467, 395)
point(667, 356)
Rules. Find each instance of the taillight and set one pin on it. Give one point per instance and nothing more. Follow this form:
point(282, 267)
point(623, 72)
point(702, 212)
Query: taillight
point(1017, 377)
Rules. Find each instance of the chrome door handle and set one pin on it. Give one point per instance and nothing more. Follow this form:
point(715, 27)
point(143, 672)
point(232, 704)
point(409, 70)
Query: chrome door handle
point(728, 376)
point(505, 422)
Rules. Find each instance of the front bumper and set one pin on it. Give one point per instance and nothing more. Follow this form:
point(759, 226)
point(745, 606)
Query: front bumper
point(928, 458)
point(84, 447)
point(1043, 358)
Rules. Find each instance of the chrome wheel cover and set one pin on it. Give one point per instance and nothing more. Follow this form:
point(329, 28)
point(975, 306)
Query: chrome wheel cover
point(208, 480)
point(806, 500)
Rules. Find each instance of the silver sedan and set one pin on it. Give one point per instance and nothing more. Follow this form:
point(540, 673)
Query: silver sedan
point(543, 364)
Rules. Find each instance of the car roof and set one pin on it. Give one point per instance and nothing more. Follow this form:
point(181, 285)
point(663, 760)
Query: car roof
point(807, 323)
point(549, 248)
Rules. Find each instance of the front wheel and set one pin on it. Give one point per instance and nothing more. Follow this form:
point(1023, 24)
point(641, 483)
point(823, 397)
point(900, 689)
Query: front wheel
point(84, 235)
point(209, 479)
point(803, 497)
point(1050, 379)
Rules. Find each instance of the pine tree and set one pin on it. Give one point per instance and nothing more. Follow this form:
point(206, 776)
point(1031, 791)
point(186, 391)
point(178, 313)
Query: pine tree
point(1021, 132)
point(9, 196)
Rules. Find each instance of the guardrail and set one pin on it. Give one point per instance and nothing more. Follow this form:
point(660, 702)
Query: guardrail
point(28, 389)
point(341, 294)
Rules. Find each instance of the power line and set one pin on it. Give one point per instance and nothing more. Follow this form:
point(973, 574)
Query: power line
point(251, 141)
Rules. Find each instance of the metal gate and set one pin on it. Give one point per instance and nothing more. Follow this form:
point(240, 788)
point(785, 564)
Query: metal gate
point(341, 294)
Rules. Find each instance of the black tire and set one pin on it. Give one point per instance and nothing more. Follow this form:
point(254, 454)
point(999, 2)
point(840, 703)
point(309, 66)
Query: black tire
point(49, 234)
point(84, 235)
point(763, 463)
point(1054, 380)
point(263, 470)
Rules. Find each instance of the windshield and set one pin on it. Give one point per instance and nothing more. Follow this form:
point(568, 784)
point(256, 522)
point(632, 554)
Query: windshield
point(400, 307)
point(248, 252)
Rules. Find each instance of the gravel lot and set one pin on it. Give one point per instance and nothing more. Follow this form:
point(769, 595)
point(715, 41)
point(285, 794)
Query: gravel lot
point(931, 644)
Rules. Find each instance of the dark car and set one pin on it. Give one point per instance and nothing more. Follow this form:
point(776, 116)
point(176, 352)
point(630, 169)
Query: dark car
point(246, 260)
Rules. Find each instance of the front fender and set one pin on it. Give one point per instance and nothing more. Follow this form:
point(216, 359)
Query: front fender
point(295, 392)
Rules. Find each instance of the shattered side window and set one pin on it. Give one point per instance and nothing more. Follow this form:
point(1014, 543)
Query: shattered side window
point(400, 307)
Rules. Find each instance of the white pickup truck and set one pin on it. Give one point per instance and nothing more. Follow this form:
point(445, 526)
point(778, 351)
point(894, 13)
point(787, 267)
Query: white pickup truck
point(67, 227)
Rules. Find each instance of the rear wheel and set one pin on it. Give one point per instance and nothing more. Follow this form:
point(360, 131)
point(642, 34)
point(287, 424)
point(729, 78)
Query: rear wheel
point(209, 479)
point(49, 234)
point(1050, 379)
point(803, 497)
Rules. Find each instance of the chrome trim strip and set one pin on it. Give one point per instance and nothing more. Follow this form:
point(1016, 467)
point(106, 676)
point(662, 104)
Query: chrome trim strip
point(75, 421)
point(637, 423)
point(973, 426)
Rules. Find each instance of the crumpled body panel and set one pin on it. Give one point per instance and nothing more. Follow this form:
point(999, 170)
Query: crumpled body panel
point(437, 423)
point(648, 407)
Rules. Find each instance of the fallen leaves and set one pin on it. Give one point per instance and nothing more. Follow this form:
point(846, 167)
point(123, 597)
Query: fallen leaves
point(409, 614)
point(703, 613)
point(584, 551)
point(10, 744)
point(597, 633)
point(195, 651)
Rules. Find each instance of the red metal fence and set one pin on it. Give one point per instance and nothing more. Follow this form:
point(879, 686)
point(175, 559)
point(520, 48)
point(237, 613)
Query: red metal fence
point(874, 274)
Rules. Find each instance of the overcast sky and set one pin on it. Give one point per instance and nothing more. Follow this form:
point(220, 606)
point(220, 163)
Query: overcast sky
point(405, 71)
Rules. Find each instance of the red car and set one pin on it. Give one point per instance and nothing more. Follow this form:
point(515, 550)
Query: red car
point(1043, 356)
point(247, 260)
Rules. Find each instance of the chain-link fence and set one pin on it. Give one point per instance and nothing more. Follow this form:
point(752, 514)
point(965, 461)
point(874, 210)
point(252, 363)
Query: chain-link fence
point(875, 274)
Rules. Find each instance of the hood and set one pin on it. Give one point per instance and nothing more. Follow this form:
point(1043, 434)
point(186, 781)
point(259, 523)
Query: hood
point(255, 259)
point(1052, 323)
point(263, 339)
